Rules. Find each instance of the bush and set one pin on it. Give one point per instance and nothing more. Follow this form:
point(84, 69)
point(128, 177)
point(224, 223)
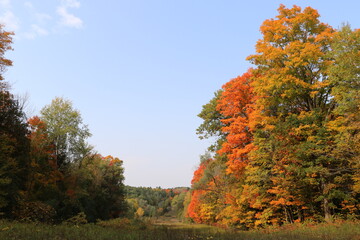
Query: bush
point(34, 212)
point(78, 219)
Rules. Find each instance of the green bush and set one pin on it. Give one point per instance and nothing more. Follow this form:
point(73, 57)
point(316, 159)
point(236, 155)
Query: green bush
point(78, 219)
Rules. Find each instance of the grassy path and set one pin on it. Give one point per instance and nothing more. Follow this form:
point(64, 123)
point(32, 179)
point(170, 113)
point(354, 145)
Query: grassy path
point(173, 222)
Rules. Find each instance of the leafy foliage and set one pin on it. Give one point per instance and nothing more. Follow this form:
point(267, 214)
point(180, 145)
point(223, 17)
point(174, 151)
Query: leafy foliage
point(290, 128)
point(48, 172)
point(66, 131)
point(155, 202)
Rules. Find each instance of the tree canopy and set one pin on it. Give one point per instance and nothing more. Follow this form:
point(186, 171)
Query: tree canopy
point(290, 129)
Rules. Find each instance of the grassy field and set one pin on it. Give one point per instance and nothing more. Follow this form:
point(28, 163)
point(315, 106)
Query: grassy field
point(122, 230)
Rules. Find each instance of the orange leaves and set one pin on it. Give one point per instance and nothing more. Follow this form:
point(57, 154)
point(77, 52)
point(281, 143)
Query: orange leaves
point(289, 128)
point(284, 197)
point(112, 160)
point(40, 143)
point(291, 59)
point(193, 210)
point(199, 172)
point(236, 96)
point(235, 105)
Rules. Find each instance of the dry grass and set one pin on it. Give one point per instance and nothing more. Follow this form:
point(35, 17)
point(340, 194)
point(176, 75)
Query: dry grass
point(162, 230)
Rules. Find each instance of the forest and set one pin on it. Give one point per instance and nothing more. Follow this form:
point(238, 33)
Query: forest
point(285, 146)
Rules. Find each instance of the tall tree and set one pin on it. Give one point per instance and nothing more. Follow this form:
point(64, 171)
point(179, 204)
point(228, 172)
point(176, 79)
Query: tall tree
point(14, 145)
point(344, 125)
point(293, 105)
point(290, 129)
point(235, 104)
point(66, 130)
point(96, 188)
point(14, 154)
point(44, 174)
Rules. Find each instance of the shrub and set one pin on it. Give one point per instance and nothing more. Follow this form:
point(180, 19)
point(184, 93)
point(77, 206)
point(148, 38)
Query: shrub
point(34, 212)
point(78, 219)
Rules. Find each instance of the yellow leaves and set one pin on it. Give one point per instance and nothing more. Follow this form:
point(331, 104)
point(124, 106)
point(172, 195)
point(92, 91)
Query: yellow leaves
point(207, 212)
point(314, 93)
point(303, 129)
point(264, 217)
point(338, 124)
point(280, 201)
point(283, 147)
point(140, 212)
point(290, 58)
point(356, 186)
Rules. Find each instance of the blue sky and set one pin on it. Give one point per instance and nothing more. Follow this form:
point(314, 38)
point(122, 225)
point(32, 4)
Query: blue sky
point(139, 71)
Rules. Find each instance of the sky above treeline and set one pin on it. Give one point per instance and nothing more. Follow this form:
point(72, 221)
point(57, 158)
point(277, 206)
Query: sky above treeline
point(139, 71)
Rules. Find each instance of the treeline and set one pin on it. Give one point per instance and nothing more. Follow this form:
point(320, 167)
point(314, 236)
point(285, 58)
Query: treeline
point(48, 171)
point(287, 131)
point(156, 202)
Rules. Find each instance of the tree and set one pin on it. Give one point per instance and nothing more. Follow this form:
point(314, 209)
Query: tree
point(212, 124)
point(66, 130)
point(235, 104)
point(195, 207)
point(14, 146)
point(14, 151)
point(291, 61)
point(290, 129)
point(344, 76)
point(294, 105)
point(5, 45)
point(44, 175)
point(95, 188)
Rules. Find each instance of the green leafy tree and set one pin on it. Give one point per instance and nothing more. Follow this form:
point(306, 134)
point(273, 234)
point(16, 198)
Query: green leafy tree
point(66, 130)
point(211, 125)
point(344, 124)
point(95, 188)
point(14, 146)
point(14, 151)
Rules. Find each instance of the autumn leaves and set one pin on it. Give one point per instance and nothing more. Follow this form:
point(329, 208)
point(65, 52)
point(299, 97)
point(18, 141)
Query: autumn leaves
point(287, 135)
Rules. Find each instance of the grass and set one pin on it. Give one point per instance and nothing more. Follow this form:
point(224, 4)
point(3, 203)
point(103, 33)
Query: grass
point(117, 230)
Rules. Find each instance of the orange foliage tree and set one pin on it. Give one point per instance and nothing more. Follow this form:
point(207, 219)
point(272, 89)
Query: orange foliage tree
point(194, 207)
point(235, 105)
point(289, 129)
point(44, 173)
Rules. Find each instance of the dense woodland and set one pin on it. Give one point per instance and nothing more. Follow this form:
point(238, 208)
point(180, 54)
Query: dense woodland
point(48, 172)
point(156, 202)
point(287, 132)
point(286, 142)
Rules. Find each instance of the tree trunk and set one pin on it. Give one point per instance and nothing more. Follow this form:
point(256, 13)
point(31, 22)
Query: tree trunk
point(326, 208)
point(327, 213)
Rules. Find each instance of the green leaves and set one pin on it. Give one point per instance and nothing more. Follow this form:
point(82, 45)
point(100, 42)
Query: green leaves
point(291, 130)
point(66, 130)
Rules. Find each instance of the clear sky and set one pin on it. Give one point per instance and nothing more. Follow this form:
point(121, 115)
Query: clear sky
point(139, 71)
